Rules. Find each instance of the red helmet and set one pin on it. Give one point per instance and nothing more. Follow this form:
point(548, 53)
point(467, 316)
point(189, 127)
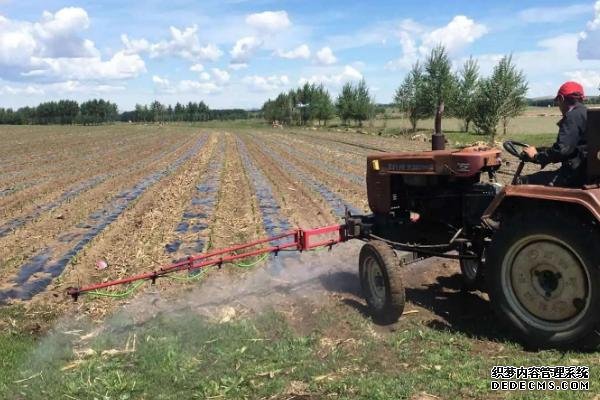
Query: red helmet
point(570, 89)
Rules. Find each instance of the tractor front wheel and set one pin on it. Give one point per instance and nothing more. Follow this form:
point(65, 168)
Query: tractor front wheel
point(543, 279)
point(472, 274)
point(381, 281)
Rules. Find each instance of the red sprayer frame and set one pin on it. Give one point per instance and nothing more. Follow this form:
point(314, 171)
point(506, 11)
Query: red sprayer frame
point(301, 241)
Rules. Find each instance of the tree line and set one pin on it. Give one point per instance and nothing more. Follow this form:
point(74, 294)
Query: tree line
point(190, 112)
point(98, 111)
point(312, 102)
point(62, 112)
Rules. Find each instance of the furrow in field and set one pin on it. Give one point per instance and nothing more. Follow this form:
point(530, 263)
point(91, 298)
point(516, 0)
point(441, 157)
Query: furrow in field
point(192, 231)
point(338, 192)
point(335, 202)
point(57, 225)
point(58, 147)
point(135, 242)
point(35, 275)
point(327, 165)
point(52, 180)
point(274, 222)
point(236, 218)
point(80, 188)
point(303, 207)
point(343, 158)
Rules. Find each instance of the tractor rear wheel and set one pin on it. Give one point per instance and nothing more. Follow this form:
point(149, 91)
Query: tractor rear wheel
point(381, 281)
point(543, 279)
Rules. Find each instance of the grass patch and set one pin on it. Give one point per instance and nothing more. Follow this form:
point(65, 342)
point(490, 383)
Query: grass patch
point(187, 356)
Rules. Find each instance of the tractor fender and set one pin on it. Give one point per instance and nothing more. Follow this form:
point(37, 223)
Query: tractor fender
point(587, 198)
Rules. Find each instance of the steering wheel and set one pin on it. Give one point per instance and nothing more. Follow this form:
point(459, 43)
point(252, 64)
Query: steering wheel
point(516, 149)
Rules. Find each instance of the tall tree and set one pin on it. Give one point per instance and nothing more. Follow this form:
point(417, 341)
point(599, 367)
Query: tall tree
point(411, 97)
point(440, 82)
point(512, 86)
point(364, 106)
point(345, 101)
point(463, 106)
point(500, 97)
point(323, 107)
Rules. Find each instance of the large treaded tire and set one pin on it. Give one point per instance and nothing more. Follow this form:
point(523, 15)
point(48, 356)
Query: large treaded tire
point(569, 235)
point(387, 305)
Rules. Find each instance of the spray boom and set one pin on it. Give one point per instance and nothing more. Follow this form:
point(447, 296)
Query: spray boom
point(296, 240)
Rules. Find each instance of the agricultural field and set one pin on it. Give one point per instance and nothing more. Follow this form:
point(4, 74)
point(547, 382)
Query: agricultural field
point(74, 200)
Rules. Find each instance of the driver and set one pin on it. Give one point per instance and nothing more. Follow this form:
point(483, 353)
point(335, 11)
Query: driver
point(570, 147)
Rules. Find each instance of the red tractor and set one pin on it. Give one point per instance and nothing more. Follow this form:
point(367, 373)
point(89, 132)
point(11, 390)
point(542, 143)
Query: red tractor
point(531, 248)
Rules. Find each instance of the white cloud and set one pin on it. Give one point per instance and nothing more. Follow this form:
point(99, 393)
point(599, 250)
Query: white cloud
point(182, 43)
point(55, 36)
point(266, 83)
point(164, 85)
point(244, 49)
point(416, 41)
point(204, 76)
point(459, 33)
point(325, 56)
point(545, 77)
point(270, 21)
point(121, 66)
point(26, 90)
point(348, 73)
point(302, 51)
point(588, 47)
point(59, 89)
point(238, 66)
point(221, 76)
point(86, 88)
point(135, 46)
point(588, 78)
point(553, 14)
point(52, 50)
point(197, 68)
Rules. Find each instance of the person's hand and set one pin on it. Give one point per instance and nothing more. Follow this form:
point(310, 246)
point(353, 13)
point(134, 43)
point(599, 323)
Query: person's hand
point(530, 151)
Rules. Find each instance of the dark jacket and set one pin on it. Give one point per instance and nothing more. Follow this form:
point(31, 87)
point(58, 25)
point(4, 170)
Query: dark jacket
point(570, 147)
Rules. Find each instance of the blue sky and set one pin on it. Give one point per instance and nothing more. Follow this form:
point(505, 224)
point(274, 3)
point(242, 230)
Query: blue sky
point(237, 53)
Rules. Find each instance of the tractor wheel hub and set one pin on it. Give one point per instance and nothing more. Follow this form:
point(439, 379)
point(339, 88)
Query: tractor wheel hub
point(547, 279)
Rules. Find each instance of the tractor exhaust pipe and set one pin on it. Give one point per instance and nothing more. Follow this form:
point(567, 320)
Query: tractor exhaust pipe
point(438, 141)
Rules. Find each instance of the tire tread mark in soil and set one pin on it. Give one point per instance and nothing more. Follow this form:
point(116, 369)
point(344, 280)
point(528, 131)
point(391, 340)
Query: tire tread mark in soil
point(336, 203)
point(51, 265)
point(197, 216)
